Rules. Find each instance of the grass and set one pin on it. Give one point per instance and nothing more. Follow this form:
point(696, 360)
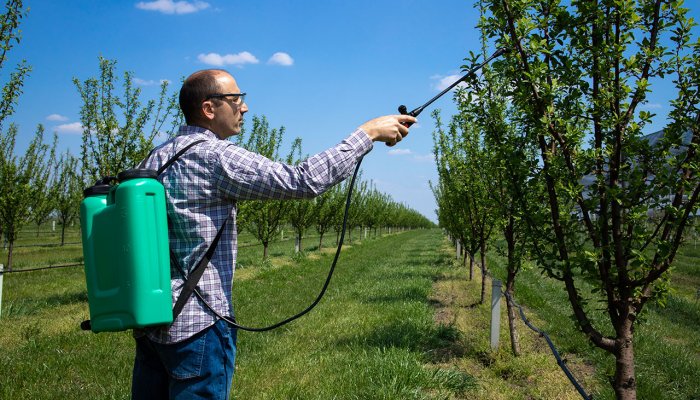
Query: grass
point(500, 375)
point(370, 338)
point(399, 321)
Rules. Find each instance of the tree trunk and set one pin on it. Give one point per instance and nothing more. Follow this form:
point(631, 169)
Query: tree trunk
point(63, 234)
point(625, 384)
point(483, 281)
point(320, 242)
point(483, 271)
point(513, 267)
point(265, 250)
point(471, 267)
point(512, 317)
point(9, 255)
point(298, 247)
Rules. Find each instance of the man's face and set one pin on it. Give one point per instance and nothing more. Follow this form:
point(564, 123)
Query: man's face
point(228, 110)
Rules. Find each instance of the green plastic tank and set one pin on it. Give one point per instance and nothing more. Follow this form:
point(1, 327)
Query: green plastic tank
point(126, 253)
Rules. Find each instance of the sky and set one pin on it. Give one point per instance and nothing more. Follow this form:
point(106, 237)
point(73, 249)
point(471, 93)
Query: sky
point(318, 68)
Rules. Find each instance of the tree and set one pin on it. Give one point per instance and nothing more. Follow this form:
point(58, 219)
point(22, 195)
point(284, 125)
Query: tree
point(114, 142)
point(263, 217)
point(18, 178)
point(301, 211)
point(463, 166)
point(9, 36)
point(325, 210)
point(69, 192)
point(44, 199)
point(616, 202)
point(376, 206)
point(356, 207)
point(358, 204)
point(514, 192)
point(450, 191)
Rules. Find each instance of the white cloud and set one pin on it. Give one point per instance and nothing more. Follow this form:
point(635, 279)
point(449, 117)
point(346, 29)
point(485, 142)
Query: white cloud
point(143, 82)
point(149, 82)
point(421, 158)
point(424, 157)
point(282, 59)
point(219, 60)
point(72, 128)
point(56, 117)
point(172, 7)
point(443, 82)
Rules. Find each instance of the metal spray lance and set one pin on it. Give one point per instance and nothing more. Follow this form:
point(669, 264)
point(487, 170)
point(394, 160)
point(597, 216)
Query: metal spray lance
point(415, 112)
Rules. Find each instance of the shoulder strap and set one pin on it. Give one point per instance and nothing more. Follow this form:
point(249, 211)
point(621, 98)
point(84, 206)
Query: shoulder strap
point(177, 155)
point(196, 275)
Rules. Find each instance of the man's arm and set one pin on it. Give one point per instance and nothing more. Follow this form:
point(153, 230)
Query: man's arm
point(243, 175)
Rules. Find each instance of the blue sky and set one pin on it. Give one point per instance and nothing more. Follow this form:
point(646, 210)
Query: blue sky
point(318, 68)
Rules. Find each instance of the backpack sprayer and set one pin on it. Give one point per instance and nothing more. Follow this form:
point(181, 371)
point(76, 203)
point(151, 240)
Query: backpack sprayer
point(127, 256)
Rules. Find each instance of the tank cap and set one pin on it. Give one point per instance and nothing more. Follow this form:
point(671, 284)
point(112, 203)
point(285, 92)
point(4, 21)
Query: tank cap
point(137, 173)
point(98, 189)
point(101, 187)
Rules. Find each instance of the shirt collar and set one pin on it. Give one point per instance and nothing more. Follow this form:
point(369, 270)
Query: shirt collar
point(192, 129)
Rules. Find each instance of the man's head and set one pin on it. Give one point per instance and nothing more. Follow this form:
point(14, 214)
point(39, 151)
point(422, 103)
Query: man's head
point(209, 98)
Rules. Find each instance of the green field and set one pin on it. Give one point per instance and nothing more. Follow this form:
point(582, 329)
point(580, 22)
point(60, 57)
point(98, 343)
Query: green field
point(399, 321)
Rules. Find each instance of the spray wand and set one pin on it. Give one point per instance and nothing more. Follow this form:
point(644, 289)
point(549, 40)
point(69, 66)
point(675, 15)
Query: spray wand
point(415, 112)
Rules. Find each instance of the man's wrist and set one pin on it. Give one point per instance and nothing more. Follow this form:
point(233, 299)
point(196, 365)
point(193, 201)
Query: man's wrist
point(364, 138)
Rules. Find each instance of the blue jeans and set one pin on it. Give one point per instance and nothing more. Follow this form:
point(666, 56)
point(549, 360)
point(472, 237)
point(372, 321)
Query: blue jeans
point(200, 367)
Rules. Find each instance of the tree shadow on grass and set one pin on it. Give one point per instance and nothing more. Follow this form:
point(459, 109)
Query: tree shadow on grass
point(437, 343)
point(67, 298)
point(401, 294)
point(32, 306)
point(679, 311)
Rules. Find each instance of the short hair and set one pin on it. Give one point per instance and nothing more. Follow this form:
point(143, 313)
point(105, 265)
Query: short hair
point(194, 91)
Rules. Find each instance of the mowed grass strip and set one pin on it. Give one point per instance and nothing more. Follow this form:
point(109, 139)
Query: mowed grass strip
point(499, 375)
point(371, 337)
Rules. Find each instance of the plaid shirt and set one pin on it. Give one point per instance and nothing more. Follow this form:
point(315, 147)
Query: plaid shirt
point(202, 188)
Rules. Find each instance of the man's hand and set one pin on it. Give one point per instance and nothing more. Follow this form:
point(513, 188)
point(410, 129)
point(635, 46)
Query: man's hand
point(389, 129)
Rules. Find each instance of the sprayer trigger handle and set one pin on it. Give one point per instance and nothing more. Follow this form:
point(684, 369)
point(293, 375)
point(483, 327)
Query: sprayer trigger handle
point(404, 111)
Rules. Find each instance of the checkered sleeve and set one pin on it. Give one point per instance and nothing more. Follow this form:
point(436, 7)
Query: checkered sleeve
point(244, 175)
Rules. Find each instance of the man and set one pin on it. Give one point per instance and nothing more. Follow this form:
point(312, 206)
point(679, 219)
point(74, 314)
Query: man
point(194, 357)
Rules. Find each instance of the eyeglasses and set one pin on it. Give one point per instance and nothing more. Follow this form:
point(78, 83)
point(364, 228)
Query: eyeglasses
point(240, 97)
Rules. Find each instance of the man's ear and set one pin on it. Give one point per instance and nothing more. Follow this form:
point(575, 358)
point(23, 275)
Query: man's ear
point(208, 110)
